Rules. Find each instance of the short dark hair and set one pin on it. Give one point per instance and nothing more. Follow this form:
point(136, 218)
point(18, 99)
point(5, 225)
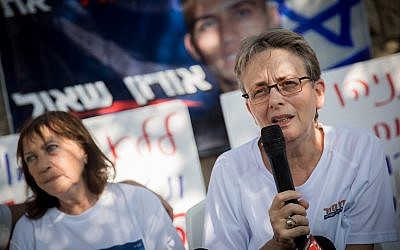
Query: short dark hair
point(188, 8)
point(96, 171)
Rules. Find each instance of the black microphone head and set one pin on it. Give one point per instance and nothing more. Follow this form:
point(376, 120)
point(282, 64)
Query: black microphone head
point(273, 140)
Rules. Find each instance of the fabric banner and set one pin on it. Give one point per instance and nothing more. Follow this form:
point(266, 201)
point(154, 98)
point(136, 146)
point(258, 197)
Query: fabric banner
point(99, 57)
point(12, 183)
point(336, 29)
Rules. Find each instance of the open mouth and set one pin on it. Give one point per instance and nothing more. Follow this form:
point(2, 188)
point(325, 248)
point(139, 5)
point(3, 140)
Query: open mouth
point(281, 120)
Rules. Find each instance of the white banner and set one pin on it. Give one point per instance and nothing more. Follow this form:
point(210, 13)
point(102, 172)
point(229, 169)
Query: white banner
point(12, 182)
point(364, 94)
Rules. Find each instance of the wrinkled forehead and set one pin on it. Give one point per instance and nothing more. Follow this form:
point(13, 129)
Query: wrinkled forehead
point(272, 65)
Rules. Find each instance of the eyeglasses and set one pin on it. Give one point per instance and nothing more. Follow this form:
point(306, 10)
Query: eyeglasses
point(260, 94)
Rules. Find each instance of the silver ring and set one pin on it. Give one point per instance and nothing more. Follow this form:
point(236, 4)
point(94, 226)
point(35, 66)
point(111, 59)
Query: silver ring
point(290, 223)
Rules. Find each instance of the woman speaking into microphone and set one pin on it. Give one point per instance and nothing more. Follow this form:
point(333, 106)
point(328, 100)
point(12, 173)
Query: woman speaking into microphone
point(341, 182)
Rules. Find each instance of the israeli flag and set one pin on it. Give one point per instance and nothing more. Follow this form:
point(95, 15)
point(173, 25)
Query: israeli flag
point(336, 29)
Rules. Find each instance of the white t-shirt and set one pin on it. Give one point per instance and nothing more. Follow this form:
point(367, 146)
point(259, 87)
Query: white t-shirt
point(125, 217)
point(5, 225)
point(349, 193)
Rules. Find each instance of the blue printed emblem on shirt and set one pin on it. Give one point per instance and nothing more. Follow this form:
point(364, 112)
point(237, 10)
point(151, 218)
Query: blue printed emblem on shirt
point(137, 245)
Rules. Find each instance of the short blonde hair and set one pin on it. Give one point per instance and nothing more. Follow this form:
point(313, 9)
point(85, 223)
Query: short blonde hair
point(276, 39)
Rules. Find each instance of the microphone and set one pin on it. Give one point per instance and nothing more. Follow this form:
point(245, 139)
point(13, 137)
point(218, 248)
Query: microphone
point(275, 147)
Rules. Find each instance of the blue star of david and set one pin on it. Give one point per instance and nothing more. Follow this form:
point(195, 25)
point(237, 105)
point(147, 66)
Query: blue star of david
point(341, 8)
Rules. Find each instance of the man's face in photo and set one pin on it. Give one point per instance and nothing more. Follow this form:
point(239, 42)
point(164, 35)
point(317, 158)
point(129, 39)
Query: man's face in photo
point(219, 26)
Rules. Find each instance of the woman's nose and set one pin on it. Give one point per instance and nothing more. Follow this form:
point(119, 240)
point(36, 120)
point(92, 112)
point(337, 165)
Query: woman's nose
point(275, 97)
point(43, 164)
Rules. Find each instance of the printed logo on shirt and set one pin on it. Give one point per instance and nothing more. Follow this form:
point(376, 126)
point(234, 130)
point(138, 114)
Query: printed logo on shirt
point(334, 209)
point(137, 245)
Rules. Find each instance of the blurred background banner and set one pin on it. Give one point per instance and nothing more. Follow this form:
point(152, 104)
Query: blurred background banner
point(337, 30)
point(12, 182)
point(99, 57)
point(153, 145)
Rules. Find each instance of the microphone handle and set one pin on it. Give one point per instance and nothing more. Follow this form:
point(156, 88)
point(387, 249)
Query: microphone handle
point(283, 181)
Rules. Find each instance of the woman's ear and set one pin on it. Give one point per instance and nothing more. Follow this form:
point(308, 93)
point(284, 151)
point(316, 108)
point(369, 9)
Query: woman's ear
point(319, 93)
point(190, 47)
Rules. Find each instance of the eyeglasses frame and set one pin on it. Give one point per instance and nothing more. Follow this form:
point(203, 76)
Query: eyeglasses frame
point(247, 97)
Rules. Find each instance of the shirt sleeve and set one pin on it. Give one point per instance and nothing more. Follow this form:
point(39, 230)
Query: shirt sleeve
point(5, 225)
point(23, 235)
point(371, 217)
point(225, 226)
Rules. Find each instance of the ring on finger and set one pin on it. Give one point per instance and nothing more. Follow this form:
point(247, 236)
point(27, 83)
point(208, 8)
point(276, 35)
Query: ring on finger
point(290, 223)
